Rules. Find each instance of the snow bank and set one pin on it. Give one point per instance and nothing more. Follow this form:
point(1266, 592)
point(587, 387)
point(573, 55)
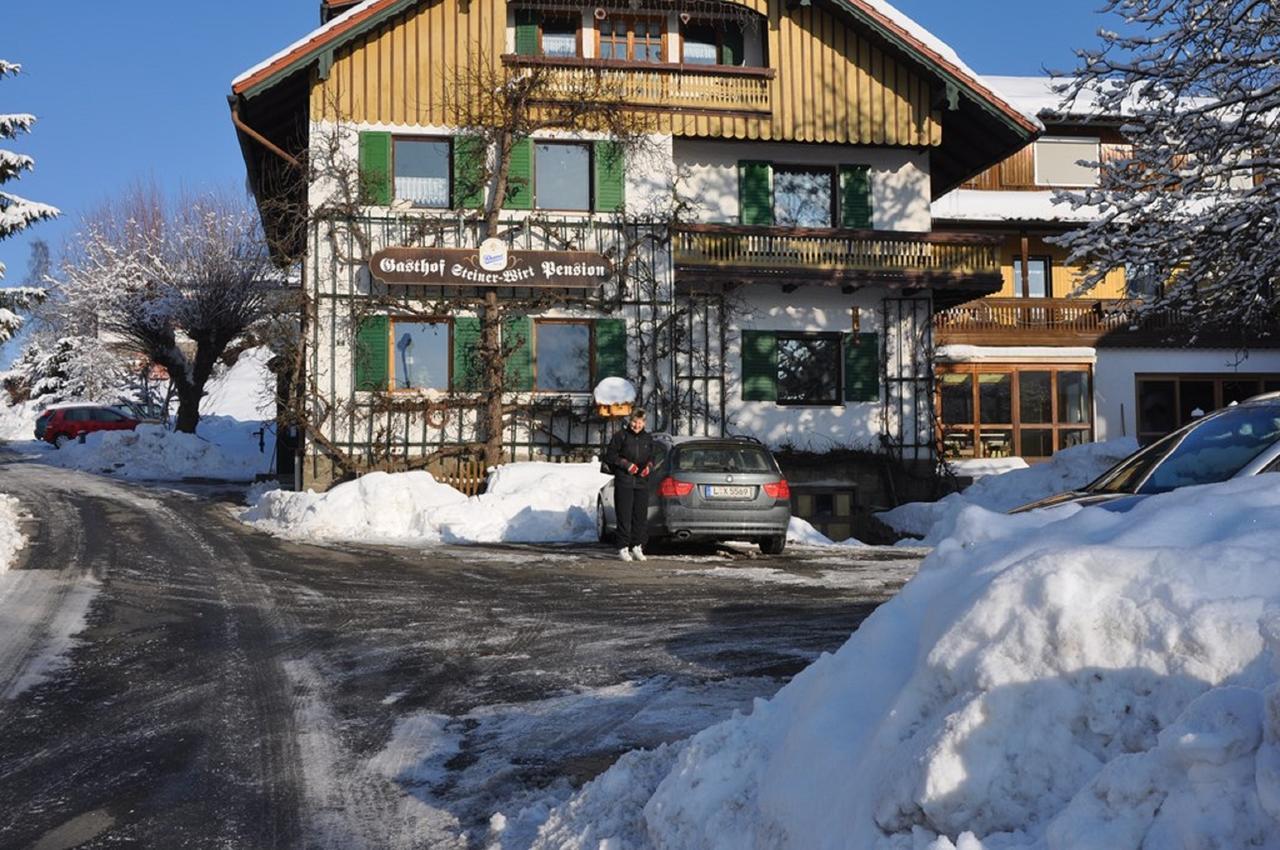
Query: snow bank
point(802, 533)
point(246, 391)
point(11, 537)
point(1065, 679)
point(18, 421)
point(153, 454)
point(1066, 470)
point(523, 503)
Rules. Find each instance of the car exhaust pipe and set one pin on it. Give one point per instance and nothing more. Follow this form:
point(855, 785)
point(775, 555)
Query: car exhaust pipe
point(683, 534)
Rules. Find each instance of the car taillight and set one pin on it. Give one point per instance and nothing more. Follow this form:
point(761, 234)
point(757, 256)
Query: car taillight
point(778, 490)
point(671, 488)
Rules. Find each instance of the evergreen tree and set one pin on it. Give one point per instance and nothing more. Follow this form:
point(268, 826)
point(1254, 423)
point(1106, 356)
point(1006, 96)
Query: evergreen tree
point(16, 214)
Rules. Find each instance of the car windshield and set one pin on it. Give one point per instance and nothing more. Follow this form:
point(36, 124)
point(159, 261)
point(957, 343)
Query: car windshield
point(1208, 452)
point(723, 459)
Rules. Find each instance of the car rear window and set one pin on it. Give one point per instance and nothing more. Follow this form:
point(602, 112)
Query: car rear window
point(1217, 449)
point(723, 459)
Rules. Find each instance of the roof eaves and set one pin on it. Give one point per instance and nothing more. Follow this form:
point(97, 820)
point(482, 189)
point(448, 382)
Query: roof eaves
point(355, 21)
point(981, 94)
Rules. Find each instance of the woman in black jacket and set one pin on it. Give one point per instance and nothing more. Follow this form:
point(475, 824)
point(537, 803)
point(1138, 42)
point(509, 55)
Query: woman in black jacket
point(630, 456)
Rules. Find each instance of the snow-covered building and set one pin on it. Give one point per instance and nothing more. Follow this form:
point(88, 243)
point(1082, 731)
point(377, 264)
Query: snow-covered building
point(1039, 366)
point(790, 299)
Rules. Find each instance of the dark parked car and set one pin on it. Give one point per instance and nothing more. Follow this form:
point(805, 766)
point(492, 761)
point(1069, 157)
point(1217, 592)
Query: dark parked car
point(61, 425)
point(1234, 442)
point(711, 489)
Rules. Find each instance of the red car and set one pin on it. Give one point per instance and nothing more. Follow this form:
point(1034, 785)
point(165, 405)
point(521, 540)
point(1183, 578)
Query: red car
point(61, 425)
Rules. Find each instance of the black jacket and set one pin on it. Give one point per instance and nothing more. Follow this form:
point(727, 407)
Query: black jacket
point(628, 447)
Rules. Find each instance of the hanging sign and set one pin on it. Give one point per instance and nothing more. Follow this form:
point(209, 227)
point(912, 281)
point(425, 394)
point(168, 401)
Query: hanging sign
point(490, 266)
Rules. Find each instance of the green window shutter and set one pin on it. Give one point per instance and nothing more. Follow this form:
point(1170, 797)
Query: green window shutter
point(611, 348)
point(467, 374)
point(517, 340)
point(759, 366)
point(755, 192)
point(372, 353)
point(609, 177)
point(855, 196)
point(468, 172)
point(520, 176)
point(526, 32)
point(861, 367)
point(375, 169)
point(731, 45)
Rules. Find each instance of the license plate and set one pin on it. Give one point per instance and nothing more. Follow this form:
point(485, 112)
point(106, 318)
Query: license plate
point(726, 491)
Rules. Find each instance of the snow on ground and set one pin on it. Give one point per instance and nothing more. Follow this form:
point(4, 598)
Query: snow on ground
point(246, 391)
point(1074, 678)
point(153, 454)
point(18, 421)
point(523, 503)
point(1066, 470)
point(802, 533)
point(12, 539)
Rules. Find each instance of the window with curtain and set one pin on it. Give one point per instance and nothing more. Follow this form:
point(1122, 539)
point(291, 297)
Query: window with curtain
point(1038, 277)
point(422, 172)
point(562, 176)
point(560, 35)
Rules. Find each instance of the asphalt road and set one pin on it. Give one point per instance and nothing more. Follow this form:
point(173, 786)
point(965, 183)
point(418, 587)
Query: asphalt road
point(170, 678)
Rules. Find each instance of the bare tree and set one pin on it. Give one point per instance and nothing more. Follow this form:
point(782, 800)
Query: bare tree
point(494, 108)
point(178, 281)
point(1191, 212)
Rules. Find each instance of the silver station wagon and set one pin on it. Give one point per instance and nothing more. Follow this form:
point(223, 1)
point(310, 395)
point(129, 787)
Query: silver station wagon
point(711, 489)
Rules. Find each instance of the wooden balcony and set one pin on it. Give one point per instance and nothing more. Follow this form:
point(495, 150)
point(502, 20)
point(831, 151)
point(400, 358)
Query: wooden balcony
point(1031, 321)
point(966, 261)
point(647, 85)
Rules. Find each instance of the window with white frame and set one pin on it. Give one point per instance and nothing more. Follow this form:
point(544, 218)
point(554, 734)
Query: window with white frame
point(420, 355)
point(563, 351)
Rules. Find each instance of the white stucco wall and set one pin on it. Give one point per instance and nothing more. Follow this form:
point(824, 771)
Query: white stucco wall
point(1115, 377)
point(650, 174)
point(900, 187)
point(810, 308)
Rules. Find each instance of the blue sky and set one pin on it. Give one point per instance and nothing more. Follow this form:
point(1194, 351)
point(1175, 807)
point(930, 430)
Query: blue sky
point(137, 90)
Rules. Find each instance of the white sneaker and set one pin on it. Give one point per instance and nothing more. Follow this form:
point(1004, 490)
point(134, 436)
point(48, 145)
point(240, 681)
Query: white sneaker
point(637, 554)
point(625, 554)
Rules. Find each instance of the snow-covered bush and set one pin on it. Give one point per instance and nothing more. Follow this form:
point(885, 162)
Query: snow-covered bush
point(71, 367)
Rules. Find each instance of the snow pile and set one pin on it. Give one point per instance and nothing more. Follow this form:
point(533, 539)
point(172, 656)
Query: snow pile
point(615, 391)
point(11, 537)
point(802, 533)
point(246, 391)
point(18, 421)
point(153, 454)
point(523, 503)
point(1066, 470)
point(1064, 679)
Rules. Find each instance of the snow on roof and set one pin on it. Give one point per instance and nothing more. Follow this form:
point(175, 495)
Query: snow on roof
point(971, 353)
point(1032, 95)
point(945, 52)
point(984, 205)
point(315, 35)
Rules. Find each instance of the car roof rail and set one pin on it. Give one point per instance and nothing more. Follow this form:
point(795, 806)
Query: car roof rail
point(746, 438)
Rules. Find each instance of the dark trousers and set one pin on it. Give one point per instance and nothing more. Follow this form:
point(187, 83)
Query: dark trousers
point(632, 506)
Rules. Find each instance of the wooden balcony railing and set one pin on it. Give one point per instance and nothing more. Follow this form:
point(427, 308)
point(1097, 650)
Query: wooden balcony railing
point(837, 253)
point(644, 84)
point(1031, 321)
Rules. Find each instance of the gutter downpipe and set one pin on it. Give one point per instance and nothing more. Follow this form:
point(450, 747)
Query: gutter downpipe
point(258, 137)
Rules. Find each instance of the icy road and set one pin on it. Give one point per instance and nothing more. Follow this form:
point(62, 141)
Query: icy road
point(169, 679)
